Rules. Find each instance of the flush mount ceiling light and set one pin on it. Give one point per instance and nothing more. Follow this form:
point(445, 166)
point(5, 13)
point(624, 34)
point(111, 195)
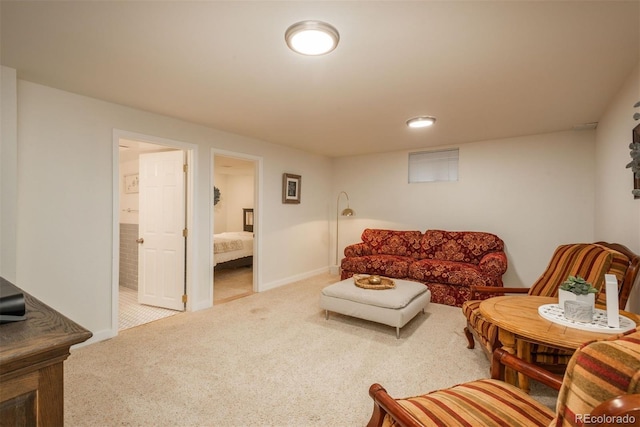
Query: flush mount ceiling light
point(421, 122)
point(312, 37)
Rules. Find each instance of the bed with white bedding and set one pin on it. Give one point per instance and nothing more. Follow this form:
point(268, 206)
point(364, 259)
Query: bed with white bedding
point(233, 249)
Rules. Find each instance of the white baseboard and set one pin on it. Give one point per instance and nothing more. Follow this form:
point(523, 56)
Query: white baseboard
point(105, 334)
point(291, 279)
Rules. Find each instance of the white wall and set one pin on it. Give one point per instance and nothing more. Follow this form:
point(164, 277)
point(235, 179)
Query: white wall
point(8, 173)
point(535, 192)
point(240, 196)
point(617, 213)
point(220, 210)
point(64, 235)
point(129, 202)
point(236, 193)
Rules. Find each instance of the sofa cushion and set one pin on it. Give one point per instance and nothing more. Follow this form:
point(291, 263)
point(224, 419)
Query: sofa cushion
point(452, 295)
point(383, 265)
point(450, 272)
point(459, 246)
point(392, 242)
point(478, 403)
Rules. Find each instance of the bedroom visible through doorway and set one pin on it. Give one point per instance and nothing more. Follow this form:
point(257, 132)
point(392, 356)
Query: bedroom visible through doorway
point(234, 195)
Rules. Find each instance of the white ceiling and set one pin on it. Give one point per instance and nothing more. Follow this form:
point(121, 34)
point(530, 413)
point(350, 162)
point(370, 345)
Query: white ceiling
point(485, 69)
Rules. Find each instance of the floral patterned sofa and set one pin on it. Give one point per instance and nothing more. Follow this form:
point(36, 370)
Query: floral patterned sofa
point(447, 262)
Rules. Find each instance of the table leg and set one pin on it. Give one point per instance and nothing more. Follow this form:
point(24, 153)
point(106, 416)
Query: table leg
point(508, 340)
point(523, 351)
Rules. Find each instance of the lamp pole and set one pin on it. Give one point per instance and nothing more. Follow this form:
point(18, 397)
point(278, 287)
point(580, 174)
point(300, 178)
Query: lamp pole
point(346, 212)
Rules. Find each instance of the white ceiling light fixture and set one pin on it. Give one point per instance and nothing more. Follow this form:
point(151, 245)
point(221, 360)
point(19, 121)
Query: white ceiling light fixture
point(421, 122)
point(312, 37)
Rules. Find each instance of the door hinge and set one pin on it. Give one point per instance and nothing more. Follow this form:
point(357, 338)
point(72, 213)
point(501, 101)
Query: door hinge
point(185, 233)
point(184, 299)
point(185, 168)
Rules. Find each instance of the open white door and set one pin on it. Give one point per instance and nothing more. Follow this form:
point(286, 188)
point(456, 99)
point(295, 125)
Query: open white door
point(161, 255)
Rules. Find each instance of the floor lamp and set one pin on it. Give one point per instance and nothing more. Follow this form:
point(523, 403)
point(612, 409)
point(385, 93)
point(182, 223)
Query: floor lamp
point(346, 212)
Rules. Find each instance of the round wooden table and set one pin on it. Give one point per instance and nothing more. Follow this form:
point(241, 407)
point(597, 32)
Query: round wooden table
point(519, 325)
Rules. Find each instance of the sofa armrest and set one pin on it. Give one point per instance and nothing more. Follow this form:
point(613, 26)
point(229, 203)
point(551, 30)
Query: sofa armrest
point(357, 249)
point(502, 359)
point(494, 264)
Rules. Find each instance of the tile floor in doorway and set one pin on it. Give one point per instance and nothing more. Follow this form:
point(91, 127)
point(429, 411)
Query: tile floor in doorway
point(134, 314)
point(229, 285)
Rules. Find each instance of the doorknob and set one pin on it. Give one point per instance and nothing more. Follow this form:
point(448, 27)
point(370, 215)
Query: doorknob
point(140, 240)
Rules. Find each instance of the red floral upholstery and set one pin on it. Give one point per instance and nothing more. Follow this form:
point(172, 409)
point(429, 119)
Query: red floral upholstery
point(383, 265)
point(448, 262)
point(391, 242)
point(461, 246)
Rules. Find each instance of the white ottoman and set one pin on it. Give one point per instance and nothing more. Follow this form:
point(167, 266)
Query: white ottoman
point(393, 307)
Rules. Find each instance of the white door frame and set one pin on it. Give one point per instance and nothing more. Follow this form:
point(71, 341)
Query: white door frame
point(257, 214)
point(192, 154)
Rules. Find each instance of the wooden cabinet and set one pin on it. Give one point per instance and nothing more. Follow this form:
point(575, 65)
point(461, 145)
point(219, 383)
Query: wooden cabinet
point(32, 352)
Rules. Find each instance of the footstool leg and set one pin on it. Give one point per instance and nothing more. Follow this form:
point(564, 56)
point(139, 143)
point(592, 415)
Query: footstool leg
point(326, 315)
point(397, 332)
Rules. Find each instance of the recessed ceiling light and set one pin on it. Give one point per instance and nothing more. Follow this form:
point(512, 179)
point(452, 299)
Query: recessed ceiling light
point(421, 122)
point(312, 37)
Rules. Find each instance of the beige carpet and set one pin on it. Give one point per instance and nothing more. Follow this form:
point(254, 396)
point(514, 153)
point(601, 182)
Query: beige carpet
point(269, 359)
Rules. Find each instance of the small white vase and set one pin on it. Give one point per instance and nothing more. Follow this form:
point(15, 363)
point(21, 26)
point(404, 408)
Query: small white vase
point(570, 296)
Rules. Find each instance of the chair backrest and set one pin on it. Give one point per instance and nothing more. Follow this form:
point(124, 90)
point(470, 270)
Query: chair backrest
point(626, 272)
point(598, 371)
point(590, 261)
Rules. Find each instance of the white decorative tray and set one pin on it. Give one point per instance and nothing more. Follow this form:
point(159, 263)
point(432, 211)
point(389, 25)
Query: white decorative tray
point(555, 314)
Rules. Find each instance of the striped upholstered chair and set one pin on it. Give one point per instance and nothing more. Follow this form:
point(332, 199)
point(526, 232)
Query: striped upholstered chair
point(589, 260)
point(602, 382)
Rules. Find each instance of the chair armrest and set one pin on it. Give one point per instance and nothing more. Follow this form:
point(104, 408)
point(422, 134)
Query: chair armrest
point(384, 404)
point(497, 291)
point(502, 359)
point(618, 407)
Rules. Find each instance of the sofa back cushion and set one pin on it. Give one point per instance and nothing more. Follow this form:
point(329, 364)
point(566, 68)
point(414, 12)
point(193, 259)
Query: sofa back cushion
point(392, 242)
point(460, 246)
point(587, 260)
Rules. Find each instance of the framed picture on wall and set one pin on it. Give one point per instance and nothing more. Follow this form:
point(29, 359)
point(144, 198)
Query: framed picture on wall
point(131, 182)
point(291, 188)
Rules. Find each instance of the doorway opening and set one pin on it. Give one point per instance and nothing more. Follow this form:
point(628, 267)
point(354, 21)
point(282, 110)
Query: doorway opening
point(234, 227)
point(151, 245)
